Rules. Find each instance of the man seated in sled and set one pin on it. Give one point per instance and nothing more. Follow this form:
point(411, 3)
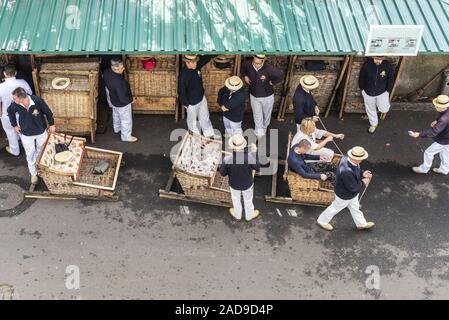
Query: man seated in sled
point(323, 169)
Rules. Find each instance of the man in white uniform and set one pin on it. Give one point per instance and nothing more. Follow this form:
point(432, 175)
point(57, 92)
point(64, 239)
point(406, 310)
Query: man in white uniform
point(6, 89)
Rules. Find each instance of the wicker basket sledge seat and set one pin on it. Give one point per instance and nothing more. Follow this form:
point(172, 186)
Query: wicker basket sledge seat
point(309, 190)
point(77, 177)
point(196, 169)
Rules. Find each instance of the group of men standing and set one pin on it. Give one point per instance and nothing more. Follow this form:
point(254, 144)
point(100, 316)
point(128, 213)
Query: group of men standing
point(28, 118)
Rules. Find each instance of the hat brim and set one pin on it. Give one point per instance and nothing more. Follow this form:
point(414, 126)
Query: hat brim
point(233, 147)
point(233, 88)
point(440, 105)
point(310, 87)
point(365, 156)
point(191, 60)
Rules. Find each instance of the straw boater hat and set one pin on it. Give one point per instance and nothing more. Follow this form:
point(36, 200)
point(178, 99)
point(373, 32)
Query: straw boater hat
point(260, 56)
point(358, 153)
point(190, 58)
point(237, 142)
point(441, 101)
point(234, 83)
point(60, 83)
point(64, 156)
point(309, 82)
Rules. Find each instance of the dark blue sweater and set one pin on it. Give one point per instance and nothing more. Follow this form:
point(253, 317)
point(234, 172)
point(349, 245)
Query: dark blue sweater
point(439, 132)
point(239, 168)
point(31, 121)
point(375, 79)
point(119, 89)
point(260, 80)
point(296, 163)
point(190, 83)
point(349, 180)
point(235, 102)
point(303, 104)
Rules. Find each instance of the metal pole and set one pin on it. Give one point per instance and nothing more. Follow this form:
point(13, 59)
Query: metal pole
point(324, 127)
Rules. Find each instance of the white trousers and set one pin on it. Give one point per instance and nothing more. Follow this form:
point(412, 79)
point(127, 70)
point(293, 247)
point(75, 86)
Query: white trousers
point(123, 121)
point(262, 109)
point(339, 204)
point(381, 102)
point(236, 196)
point(11, 134)
point(232, 127)
point(198, 119)
point(429, 154)
point(33, 146)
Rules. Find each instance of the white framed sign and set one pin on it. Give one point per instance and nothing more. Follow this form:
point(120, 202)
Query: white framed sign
point(393, 40)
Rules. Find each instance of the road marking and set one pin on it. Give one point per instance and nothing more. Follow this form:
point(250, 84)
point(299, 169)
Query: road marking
point(184, 210)
point(279, 212)
point(292, 213)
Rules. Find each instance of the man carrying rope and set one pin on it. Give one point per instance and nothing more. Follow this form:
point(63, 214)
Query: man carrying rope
point(350, 182)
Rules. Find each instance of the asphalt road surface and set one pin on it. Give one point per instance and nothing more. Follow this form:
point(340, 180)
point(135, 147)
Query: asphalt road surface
point(144, 247)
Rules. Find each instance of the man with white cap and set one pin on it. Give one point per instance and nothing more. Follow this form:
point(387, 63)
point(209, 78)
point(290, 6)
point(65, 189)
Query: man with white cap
point(231, 99)
point(350, 181)
point(240, 167)
point(119, 97)
point(376, 80)
point(191, 94)
point(304, 104)
point(439, 132)
point(261, 77)
point(6, 89)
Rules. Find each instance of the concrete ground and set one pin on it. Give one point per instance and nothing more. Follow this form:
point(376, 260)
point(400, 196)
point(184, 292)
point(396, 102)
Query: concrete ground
point(144, 247)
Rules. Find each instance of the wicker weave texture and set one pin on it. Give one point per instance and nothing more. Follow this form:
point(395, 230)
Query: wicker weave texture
point(67, 105)
point(153, 83)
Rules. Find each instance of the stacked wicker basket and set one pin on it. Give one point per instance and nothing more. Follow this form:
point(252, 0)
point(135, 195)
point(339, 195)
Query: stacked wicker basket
point(327, 79)
point(155, 90)
point(207, 186)
point(214, 79)
point(74, 107)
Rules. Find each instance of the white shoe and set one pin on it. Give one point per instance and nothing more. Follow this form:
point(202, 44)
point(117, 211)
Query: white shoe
point(34, 179)
point(372, 129)
point(366, 226)
point(439, 171)
point(327, 226)
point(8, 149)
point(256, 213)
point(131, 139)
point(418, 170)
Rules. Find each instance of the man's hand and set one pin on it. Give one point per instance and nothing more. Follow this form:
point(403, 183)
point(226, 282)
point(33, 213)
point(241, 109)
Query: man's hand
point(367, 174)
point(340, 136)
point(271, 83)
point(433, 123)
point(323, 177)
point(247, 80)
point(366, 181)
point(317, 111)
point(224, 109)
point(52, 129)
point(185, 107)
point(253, 148)
point(17, 130)
point(315, 118)
point(413, 134)
point(134, 99)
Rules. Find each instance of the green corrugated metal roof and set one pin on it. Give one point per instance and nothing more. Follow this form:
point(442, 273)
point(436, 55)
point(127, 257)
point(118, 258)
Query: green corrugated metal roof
point(273, 26)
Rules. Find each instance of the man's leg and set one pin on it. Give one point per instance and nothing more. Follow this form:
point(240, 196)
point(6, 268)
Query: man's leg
point(444, 155)
point(248, 201)
point(29, 145)
point(192, 119)
point(383, 104)
point(429, 154)
point(336, 206)
point(203, 117)
point(228, 126)
point(236, 196)
point(370, 108)
point(267, 110)
point(357, 215)
point(116, 119)
point(256, 106)
point(126, 122)
point(11, 134)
